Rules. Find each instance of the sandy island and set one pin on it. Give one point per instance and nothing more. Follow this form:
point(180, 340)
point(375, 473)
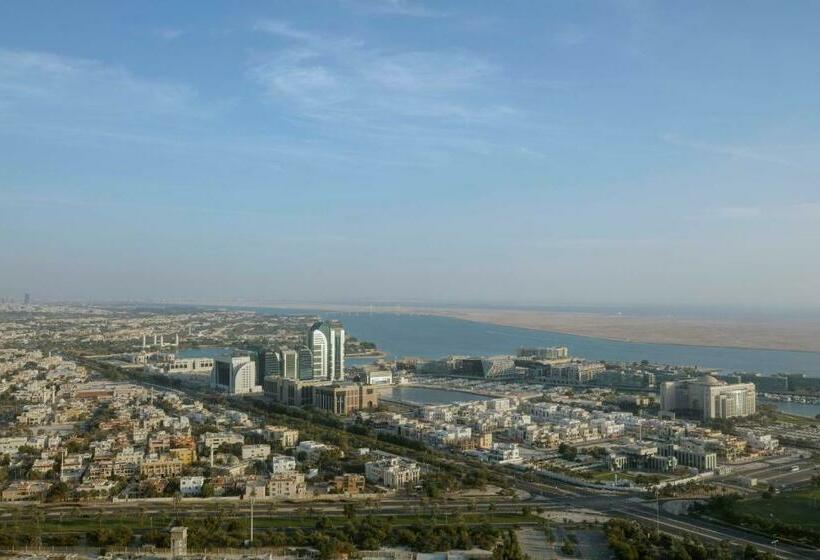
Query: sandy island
point(761, 334)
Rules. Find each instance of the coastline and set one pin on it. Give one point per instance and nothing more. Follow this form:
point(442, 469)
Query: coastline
point(793, 336)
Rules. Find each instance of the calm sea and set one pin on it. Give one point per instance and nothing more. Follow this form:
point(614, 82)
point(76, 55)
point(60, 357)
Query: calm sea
point(424, 336)
point(433, 337)
point(800, 409)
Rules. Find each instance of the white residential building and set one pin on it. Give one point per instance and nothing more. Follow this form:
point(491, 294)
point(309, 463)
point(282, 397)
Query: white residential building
point(282, 463)
point(256, 452)
point(393, 472)
point(191, 485)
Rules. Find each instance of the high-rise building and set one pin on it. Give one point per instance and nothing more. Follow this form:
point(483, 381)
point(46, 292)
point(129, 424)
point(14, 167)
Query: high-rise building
point(266, 360)
point(305, 368)
point(327, 343)
point(235, 374)
point(708, 398)
point(318, 344)
point(289, 365)
point(27, 299)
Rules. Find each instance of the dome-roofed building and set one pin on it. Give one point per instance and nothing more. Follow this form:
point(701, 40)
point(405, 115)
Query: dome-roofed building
point(708, 397)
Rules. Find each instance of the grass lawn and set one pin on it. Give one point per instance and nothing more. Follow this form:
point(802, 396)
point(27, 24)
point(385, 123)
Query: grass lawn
point(607, 476)
point(797, 508)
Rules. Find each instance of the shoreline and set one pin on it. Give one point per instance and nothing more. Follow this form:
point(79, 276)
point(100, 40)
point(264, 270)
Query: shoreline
point(773, 335)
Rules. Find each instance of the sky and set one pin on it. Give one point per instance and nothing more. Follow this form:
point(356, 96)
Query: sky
point(540, 152)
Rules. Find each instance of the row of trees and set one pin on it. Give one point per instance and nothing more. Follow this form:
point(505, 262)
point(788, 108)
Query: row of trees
point(365, 533)
point(726, 507)
point(630, 540)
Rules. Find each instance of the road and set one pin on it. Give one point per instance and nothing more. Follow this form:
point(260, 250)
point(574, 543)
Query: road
point(562, 495)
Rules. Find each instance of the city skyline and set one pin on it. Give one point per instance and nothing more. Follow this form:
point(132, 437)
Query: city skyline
point(612, 153)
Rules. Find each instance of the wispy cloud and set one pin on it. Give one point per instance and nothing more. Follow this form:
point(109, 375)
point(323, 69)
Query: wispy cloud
point(75, 85)
point(738, 212)
point(345, 81)
point(800, 211)
point(169, 33)
point(732, 151)
point(406, 8)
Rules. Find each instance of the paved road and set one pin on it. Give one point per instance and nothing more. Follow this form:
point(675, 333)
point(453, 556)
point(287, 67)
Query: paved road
point(614, 503)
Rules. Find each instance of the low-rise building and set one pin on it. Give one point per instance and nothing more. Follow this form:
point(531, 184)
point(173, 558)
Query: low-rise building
point(392, 472)
point(282, 436)
point(504, 454)
point(25, 489)
point(351, 484)
point(191, 485)
point(286, 485)
point(161, 467)
point(256, 452)
point(282, 463)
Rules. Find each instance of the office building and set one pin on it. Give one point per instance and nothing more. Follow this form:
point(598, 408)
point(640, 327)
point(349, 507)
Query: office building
point(345, 398)
point(235, 374)
point(708, 398)
point(327, 344)
point(304, 364)
point(573, 373)
point(291, 392)
point(551, 353)
point(339, 398)
point(289, 363)
point(266, 360)
point(690, 454)
point(461, 366)
point(295, 363)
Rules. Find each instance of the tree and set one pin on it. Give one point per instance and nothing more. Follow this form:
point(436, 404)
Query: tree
point(349, 510)
point(59, 492)
point(508, 548)
point(567, 451)
point(567, 548)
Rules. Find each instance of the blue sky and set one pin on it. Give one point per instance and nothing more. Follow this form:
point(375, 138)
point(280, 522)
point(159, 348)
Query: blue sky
point(529, 152)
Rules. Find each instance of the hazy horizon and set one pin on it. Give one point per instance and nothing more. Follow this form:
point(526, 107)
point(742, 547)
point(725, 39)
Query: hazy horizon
point(624, 153)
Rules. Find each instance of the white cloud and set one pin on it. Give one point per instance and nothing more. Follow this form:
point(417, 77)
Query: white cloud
point(795, 212)
point(326, 79)
point(57, 83)
point(284, 30)
point(169, 33)
point(738, 212)
point(407, 8)
point(733, 151)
